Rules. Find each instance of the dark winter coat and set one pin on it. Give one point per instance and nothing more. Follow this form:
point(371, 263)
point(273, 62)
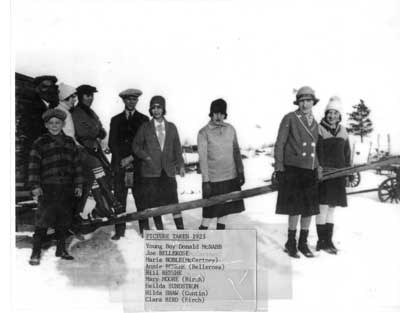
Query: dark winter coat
point(146, 145)
point(122, 132)
point(88, 128)
point(336, 146)
point(31, 122)
point(54, 166)
point(296, 144)
point(336, 154)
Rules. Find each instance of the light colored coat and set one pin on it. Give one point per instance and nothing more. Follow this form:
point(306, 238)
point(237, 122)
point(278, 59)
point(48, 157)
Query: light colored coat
point(219, 152)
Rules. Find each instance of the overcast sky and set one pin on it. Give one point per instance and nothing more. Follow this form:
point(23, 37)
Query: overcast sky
point(251, 53)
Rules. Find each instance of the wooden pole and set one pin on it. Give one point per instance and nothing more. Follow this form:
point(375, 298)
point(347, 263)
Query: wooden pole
point(229, 197)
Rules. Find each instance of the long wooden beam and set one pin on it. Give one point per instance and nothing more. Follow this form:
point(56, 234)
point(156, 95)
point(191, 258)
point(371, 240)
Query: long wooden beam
point(229, 197)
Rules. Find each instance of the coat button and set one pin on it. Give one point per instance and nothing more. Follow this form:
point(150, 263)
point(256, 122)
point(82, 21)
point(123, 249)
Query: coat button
point(304, 143)
point(312, 154)
point(313, 144)
point(303, 154)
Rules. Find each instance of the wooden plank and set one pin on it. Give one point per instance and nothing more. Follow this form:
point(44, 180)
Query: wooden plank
point(233, 196)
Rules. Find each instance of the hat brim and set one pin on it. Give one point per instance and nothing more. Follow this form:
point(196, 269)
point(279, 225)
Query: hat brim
point(316, 100)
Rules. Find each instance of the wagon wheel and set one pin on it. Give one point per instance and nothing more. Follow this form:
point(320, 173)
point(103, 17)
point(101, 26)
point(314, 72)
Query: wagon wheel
point(353, 180)
point(389, 191)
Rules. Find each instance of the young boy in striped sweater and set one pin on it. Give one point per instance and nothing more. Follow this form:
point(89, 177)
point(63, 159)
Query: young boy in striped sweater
point(55, 177)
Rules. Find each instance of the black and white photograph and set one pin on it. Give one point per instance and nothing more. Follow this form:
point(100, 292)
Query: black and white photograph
point(135, 120)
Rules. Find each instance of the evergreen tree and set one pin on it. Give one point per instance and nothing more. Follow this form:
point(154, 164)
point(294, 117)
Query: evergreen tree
point(359, 121)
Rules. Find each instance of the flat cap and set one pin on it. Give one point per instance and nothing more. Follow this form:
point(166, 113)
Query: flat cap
point(37, 80)
point(54, 113)
point(130, 93)
point(86, 89)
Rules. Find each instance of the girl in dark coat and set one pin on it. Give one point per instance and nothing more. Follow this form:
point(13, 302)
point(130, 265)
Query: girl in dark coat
point(297, 168)
point(336, 154)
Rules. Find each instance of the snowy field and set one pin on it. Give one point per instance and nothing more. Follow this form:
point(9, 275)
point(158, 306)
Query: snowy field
point(107, 276)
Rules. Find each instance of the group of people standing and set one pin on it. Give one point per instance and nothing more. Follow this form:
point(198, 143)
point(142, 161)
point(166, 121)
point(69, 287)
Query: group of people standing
point(303, 149)
point(67, 162)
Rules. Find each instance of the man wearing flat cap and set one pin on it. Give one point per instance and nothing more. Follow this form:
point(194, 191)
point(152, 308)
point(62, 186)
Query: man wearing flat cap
point(89, 132)
point(123, 128)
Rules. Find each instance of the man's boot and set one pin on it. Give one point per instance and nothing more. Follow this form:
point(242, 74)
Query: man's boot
point(203, 227)
point(158, 222)
point(102, 208)
point(112, 201)
point(303, 247)
point(329, 233)
point(60, 250)
point(119, 231)
point(179, 222)
point(143, 225)
point(290, 245)
point(37, 246)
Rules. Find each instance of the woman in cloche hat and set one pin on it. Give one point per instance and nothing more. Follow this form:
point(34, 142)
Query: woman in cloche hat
point(297, 168)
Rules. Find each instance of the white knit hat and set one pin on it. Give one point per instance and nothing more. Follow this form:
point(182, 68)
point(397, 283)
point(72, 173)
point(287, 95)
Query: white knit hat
point(334, 103)
point(64, 91)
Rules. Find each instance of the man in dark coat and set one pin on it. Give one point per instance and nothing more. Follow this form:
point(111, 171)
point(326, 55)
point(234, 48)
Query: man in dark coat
point(123, 129)
point(46, 96)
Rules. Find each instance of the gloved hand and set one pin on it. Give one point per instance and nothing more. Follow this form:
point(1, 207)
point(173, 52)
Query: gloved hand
point(279, 177)
point(241, 179)
point(206, 188)
point(37, 192)
point(78, 192)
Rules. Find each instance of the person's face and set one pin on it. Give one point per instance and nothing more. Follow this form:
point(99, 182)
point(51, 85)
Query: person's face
point(333, 117)
point(306, 105)
point(87, 99)
point(54, 125)
point(157, 111)
point(47, 90)
point(218, 117)
point(130, 103)
point(71, 101)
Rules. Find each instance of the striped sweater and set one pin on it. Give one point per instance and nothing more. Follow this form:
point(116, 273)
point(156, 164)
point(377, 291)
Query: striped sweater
point(54, 160)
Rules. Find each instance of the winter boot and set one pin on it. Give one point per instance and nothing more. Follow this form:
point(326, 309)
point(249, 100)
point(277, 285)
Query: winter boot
point(143, 225)
point(60, 250)
point(329, 233)
point(158, 222)
point(203, 227)
point(119, 231)
point(290, 245)
point(102, 208)
point(220, 226)
point(303, 247)
point(321, 243)
point(37, 246)
point(112, 201)
point(178, 222)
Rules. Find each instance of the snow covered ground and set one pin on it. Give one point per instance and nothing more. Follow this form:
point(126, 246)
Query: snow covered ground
point(107, 276)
